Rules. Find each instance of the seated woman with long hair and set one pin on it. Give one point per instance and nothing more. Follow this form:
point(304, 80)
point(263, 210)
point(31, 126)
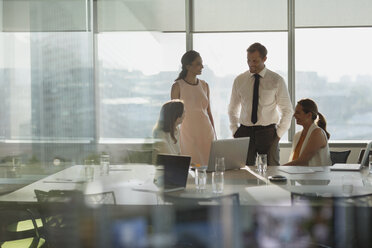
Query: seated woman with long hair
point(310, 146)
point(166, 130)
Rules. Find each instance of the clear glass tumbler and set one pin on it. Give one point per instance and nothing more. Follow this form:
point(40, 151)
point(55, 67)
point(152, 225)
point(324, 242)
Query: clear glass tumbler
point(217, 182)
point(220, 165)
point(200, 178)
point(261, 163)
point(89, 170)
point(105, 164)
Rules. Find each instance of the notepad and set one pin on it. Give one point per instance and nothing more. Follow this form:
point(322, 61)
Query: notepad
point(270, 195)
point(299, 169)
point(64, 180)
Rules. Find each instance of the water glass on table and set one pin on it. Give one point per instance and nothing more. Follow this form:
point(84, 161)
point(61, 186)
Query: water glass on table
point(89, 170)
point(217, 182)
point(348, 184)
point(200, 178)
point(105, 164)
point(261, 163)
point(220, 165)
point(218, 175)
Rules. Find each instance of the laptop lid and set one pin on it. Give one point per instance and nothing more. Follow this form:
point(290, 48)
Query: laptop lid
point(176, 169)
point(354, 167)
point(234, 151)
point(366, 154)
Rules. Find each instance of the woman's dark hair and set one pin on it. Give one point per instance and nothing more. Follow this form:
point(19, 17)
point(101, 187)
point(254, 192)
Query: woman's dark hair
point(309, 106)
point(169, 113)
point(186, 60)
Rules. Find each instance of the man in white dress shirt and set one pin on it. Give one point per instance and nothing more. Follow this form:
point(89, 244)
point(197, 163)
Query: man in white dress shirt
point(260, 107)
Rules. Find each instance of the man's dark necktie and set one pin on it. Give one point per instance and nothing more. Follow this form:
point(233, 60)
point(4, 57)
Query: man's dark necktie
point(255, 98)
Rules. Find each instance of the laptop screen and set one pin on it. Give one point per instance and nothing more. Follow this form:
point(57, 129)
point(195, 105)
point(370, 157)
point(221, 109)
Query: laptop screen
point(366, 153)
point(176, 169)
point(234, 151)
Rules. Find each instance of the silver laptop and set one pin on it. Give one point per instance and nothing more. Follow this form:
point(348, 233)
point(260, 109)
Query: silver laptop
point(234, 151)
point(353, 167)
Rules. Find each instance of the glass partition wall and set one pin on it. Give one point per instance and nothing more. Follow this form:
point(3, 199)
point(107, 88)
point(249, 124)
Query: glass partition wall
point(84, 78)
point(87, 72)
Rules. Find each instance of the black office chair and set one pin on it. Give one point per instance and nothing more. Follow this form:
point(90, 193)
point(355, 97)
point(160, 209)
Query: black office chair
point(18, 213)
point(339, 157)
point(104, 198)
point(138, 156)
point(63, 215)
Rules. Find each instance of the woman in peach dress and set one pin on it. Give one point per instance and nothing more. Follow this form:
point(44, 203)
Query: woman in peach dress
point(197, 130)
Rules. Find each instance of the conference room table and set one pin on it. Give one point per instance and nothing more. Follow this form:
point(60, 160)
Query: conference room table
point(133, 184)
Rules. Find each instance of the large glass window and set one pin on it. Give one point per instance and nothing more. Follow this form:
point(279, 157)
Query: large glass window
point(334, 69)
point(240, 15)
point(222, 65)
point(136, 72)
point(333, 13)
point(47, 91)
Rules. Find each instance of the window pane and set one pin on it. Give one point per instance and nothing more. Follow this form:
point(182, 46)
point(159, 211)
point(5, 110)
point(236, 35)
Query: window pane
point(41, 15)
point(136, 72)
point(240, 15)
point(337, 13)
point(335, 71)
point(221, 66)
point(47, 86)
point(141, 15)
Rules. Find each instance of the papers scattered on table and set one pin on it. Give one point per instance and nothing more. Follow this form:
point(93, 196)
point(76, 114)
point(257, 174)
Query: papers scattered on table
point(270, 195)
point(64, 180)
point(150, 188)
point(120, 169)
point(300, 169)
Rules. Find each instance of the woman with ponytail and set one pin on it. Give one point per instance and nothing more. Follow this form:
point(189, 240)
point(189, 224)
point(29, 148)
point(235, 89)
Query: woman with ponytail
point(197, 129)
point(310, 146)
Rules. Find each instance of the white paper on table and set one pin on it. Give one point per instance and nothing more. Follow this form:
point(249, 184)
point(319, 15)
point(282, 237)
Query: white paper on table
point(270, 195)
point(64, 180)
point(297, 169)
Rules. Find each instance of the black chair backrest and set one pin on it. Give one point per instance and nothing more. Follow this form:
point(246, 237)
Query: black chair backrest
point(104, 198)
point(62, 213)
point(339, 157)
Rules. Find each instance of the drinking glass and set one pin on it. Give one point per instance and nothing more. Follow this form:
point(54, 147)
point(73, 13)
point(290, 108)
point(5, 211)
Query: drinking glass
point(220, 165)
point(201, 178)
point(105, 164)
point(89, 170)
point(217, 182)
point(348, 182)
point(261, 163)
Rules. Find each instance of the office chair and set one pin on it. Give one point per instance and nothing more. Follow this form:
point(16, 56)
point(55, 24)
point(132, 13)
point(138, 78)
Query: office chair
point(104, 198)
point(339, 157)
point(63, 216)
point(9, 238)
point(138, 156)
